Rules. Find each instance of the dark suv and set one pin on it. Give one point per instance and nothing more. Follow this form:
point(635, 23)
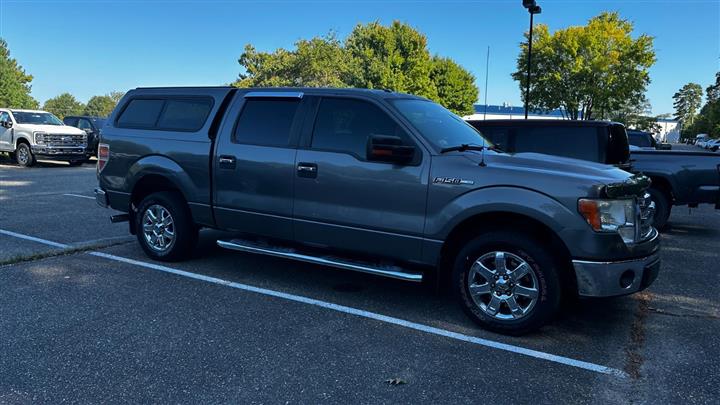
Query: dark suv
point(92, 127)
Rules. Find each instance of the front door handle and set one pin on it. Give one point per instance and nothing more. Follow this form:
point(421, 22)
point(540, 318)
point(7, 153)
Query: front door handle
point(226, 162)
point(308, 170)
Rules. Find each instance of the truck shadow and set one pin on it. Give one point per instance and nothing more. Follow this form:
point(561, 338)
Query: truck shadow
point(581, 325)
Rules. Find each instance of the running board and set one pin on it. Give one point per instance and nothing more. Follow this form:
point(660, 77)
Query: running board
point(290, 253)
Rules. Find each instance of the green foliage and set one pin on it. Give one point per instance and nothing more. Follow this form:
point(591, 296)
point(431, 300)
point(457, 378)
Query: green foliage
point(687, 102)
point(318, 62)
point(637, 116)
point(394, 58)
point(14, 82)
point(713, 91)
point(373, 56)
point(587, 71)
point(708, 120)
point(63, 105)
point(102, 106)
point(456, 88)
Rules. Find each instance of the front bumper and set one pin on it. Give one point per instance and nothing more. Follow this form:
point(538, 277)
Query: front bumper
point(609, 279)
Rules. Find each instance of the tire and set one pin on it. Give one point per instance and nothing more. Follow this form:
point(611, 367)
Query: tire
point(183, 230)
point(542, 273)
point(663, 206)
point(24, 156)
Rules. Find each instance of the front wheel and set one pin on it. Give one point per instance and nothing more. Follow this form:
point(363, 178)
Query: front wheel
point(24, 156)
point(164, 227)
point(507, 282)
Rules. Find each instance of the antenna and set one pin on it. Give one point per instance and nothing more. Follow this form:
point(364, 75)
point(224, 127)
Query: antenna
point(487, 73)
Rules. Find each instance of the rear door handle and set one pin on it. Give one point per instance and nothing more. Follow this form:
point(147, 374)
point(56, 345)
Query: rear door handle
point(308, 170)
point(226, 162)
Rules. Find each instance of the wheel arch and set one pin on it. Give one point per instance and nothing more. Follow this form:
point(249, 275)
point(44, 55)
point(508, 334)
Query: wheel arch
point(496, 220)
point(146, 185)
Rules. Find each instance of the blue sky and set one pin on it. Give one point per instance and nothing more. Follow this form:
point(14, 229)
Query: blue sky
point(90, 47)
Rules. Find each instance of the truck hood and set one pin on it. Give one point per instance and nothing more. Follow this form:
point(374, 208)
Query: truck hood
point(557, 166)
point(53, 129)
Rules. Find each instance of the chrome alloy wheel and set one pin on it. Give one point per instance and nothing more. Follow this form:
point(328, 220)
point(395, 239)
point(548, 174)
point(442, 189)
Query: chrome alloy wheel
point(503, 285)
point(158, 228)
point(23, 156)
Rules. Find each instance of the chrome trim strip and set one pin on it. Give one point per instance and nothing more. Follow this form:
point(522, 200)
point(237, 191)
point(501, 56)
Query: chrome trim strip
point(322, 261)
point(278, 94)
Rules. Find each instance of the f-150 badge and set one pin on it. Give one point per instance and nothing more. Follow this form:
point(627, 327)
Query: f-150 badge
point(452, 180)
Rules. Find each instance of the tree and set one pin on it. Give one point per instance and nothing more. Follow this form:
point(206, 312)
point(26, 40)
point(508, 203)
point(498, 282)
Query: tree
point(14, 82)
point(373, 56)
point(713, 91)
point(318, 62)
point(100, 106)
point(637, 116)
point(687, 102)
point(394, 58)
point(708, 120)
point(587, 71)
point(63, 105)
point(455, 86)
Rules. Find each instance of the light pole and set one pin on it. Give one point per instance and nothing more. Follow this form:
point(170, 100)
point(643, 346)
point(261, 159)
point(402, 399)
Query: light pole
point(532, 8)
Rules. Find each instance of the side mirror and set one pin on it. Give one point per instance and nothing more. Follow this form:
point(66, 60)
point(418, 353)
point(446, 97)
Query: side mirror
point(6, 124)
point(386, 148)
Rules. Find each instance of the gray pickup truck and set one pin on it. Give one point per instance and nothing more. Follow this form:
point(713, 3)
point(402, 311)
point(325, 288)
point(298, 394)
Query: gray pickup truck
point(376, 182)
point(678, 177)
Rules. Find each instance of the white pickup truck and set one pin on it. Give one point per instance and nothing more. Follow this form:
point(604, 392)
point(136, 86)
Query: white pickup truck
point(29, 135)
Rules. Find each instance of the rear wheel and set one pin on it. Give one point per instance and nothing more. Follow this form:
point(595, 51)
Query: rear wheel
point(663, 206)
point(24, 156)
point(507, 282)
point(164, 227)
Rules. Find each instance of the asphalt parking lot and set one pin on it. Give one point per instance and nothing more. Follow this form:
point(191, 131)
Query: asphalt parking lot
point(86, 317)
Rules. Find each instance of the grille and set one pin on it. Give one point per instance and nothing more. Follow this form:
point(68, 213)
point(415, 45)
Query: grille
point(647, 212)
point(64, 140)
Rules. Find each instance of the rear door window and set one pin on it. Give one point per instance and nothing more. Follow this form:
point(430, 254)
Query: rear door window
point(266, 122)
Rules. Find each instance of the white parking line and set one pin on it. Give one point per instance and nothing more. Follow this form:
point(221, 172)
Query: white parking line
point(79, 196)
point(34, 239)
point(352, 311)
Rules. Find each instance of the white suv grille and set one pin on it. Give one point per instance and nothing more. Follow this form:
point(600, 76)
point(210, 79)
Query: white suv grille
point(65, 140)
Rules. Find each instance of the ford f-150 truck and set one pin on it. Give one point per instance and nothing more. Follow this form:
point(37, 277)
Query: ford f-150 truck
point(376, 182)
point(29, 135)
point(678, 177)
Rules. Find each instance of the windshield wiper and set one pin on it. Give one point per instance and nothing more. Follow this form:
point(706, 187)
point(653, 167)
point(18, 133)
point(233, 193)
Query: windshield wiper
point(462, 148)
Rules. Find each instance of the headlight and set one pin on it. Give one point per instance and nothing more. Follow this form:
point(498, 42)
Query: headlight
point(39, 137)
point(610, 216)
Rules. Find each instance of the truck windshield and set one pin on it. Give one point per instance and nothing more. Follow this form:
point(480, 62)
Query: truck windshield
point(36, 118)
point(439, 126)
